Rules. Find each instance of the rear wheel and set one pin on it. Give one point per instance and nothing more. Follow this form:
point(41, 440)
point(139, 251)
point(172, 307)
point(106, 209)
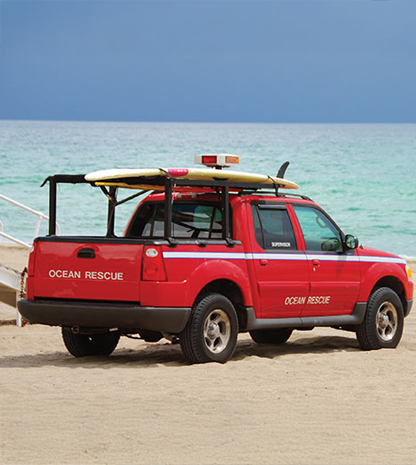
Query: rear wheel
point(211, 332)
point(382, 326)
point(83, 345)
point(271, 336)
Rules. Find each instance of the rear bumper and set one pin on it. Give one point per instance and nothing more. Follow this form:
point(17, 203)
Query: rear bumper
point(104, 315)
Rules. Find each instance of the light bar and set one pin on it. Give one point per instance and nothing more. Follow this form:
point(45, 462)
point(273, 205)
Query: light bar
point(222, 160)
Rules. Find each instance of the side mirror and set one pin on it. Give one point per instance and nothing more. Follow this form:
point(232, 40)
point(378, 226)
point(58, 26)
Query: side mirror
point(351, 242)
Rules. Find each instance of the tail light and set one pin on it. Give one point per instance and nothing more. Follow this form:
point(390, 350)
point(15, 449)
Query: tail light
point(31, 263)
point(153, 268)
point(31, 274)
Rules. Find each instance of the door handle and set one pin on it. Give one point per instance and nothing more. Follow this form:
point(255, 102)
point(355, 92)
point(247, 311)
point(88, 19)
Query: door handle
point(86, 253)
point(316, 262)
point(264, 262)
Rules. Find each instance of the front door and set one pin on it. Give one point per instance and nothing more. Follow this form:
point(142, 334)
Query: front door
point(334, 273)
point(281, 269)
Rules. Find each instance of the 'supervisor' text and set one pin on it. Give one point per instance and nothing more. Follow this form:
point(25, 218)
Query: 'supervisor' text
point(96, 275)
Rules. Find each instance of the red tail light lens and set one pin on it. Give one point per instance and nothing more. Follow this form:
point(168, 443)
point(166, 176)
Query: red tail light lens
point(153, 268)
point(31, 264)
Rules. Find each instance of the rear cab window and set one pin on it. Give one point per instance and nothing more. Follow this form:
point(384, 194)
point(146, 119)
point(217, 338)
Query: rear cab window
point(190, 220)
point(273, 227)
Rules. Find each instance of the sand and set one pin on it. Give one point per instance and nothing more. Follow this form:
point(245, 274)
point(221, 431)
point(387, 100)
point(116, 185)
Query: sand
point(316, 400)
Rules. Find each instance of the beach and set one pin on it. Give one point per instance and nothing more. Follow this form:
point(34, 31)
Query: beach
point(318, 399)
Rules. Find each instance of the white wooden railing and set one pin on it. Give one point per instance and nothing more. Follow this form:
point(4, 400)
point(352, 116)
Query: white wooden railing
point(40, 216)
point(12, 282)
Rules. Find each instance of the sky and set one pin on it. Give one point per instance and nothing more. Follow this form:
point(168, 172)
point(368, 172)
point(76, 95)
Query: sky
point(293, 61)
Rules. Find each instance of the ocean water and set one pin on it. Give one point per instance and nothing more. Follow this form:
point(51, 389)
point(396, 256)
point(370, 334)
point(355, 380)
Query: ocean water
point(364, 176)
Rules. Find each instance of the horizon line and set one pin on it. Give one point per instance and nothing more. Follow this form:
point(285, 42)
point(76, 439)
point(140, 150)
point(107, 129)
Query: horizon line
point(39, 120)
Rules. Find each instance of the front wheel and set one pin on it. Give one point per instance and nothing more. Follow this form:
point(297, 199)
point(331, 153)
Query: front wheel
point(382, 326)
point(211, 332)
point(83, 345)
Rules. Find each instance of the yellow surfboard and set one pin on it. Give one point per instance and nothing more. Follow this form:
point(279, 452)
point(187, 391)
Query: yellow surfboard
point(143, 176)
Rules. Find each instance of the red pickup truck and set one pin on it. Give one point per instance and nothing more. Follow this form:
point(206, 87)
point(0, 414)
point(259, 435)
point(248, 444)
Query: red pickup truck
point(205, 258)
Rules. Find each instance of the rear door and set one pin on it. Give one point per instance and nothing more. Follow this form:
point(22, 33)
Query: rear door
point(281, 268)
point(90, 270)
point(334, 273)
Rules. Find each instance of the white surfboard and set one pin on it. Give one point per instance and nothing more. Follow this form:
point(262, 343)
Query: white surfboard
point(142, 178)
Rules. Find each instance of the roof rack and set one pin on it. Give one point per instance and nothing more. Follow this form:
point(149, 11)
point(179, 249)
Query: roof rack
point(221, 186)
point(273, 193)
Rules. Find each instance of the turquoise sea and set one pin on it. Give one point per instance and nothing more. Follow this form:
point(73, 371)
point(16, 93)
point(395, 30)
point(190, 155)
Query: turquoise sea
point(363, 175)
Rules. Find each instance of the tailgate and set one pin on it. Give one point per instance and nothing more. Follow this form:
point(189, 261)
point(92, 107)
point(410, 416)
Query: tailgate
point(85, 270)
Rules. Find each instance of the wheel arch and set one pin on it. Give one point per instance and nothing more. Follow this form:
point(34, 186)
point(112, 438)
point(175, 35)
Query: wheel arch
point(232, 291)
point(395, 284)
point(391, 275)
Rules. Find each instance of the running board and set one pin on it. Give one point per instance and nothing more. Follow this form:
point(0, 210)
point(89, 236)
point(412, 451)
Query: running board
point(355, 318)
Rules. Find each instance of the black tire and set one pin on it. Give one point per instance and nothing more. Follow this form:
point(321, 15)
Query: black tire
point(271, 336)
point(83, 345)
point(382, 326)
point(211, 332)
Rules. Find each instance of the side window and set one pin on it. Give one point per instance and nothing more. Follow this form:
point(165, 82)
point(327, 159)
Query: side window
point(319, 232)
point(189, 220)
point(273, 228)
